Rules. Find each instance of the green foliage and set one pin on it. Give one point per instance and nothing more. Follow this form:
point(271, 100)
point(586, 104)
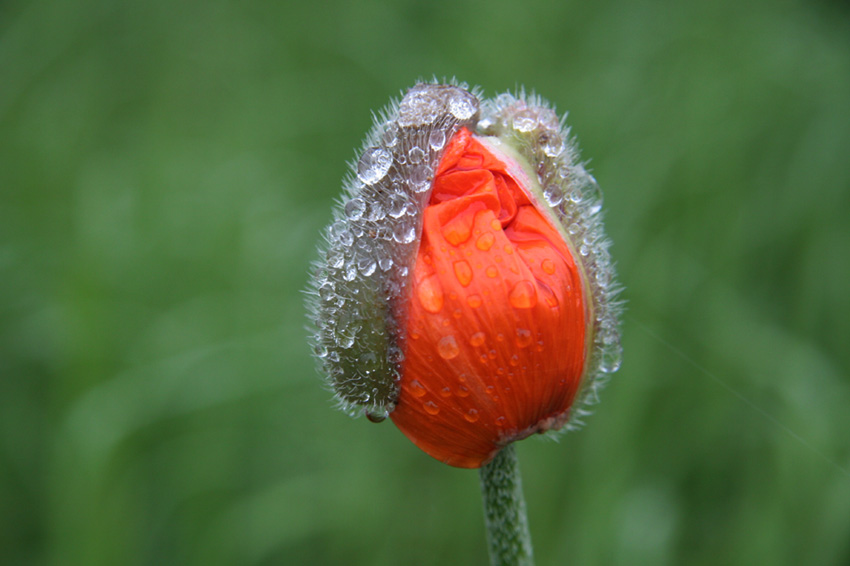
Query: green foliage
point(165, 169)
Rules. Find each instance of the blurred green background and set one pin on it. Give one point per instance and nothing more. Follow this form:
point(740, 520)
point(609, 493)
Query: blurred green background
point(165, 170)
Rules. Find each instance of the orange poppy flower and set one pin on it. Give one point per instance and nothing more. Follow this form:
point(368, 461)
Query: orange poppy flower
point(465, 287)
point(496, 323)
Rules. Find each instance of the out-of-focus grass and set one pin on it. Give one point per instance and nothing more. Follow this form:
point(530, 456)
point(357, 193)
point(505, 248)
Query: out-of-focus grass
point(164, 173)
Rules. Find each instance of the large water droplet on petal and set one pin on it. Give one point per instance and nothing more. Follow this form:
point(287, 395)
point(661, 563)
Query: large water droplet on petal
point(523, 337)
point(431, 407)
point(447, 348)
point(477, 339)
point(485, 241)
point(463, 272)
point(431, 294)
point(523, 295)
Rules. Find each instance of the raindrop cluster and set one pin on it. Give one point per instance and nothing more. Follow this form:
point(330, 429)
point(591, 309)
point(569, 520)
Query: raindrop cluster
point(361, 278)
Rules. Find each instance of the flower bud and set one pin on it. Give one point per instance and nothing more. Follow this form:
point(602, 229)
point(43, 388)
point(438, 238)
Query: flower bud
point(465, 287)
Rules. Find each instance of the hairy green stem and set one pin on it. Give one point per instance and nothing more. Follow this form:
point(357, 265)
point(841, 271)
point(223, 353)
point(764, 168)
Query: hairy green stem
point(508, 538)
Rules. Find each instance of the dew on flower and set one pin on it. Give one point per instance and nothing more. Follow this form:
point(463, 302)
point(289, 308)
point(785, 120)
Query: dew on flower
point(437, 139)
point(462, 106)
point(376, 212)
point(355, 208)
point(523, 337)
point(485, 241)
point(374, 165)
point(477, 339)
point(385, 263)
point(446, 391)
point(417, 389)
point(447, 348)
point(612, 357)
point(366, 265)
point(416, 155)
point(377, 417)
point(474, 301)
point(463, 272)
point(350, 272)
point(404, 233)
point(397, 205)
point(523, 295)
point(548, 266)
point(431, 294)
point(551, 144)
point(492, 272)
point(553, 195)
point(471, 415)
point(431, 407)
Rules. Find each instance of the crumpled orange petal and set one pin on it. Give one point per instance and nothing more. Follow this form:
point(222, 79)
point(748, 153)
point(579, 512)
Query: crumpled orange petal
point(496, 323)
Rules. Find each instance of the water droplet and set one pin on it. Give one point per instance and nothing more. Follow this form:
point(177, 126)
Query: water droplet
point(350, 272)
point(462, 105)
point(474, 301)
point(320, 350)
point(335, 258)
point(523, 337)
point(514, 361)
point(500, 421)
point(437, 140)
point(345, 337)
point(485, 241)
point(375, 417)
point(416, 389)
point(397, 205)
point(523, 295)
point(374, 165)
point(431, 294)
point(447, 348)
point(477, 339)
point(326, 291)
point(463, 272)
point(404, 233)
point(446, 391)
point(385, 263)
point(612, 357)
point(551, 144)
point(492, 272)
point(553, 195)
point(431, 407)
point(390, 135)
point(376, 212)
point(355, 208)
point(471, 415)
point(419, 179)
point(346, 238)
point(524, 123)
point(548, 266)
point(416, 155)
point(463, 391)
point(367, 266)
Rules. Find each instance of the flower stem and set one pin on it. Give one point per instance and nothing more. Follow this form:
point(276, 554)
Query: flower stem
point(508, 538)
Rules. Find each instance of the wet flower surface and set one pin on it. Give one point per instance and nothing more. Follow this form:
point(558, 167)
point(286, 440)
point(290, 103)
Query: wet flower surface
point(496, 323)
point(466, 289)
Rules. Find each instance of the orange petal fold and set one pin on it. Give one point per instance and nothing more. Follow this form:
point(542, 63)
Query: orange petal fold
point(495, 344)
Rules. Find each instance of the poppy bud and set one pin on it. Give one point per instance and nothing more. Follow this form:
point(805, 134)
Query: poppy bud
point(465, 288)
